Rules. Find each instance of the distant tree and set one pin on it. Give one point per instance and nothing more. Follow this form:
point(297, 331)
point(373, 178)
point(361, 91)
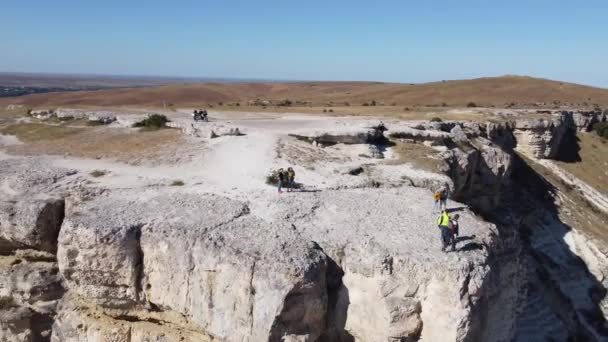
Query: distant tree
point(436, 119)
point(373, 102)
point(471, 105)
point(324, 110)
point(365, 104)
point(394, 104)
point(238, 104)
point(407, 109)
point(443, 104)
point(220, 104)
point(346, 104)
point(331, 110)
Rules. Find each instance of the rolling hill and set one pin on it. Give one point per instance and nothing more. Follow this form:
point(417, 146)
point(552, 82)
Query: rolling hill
point(490, 91)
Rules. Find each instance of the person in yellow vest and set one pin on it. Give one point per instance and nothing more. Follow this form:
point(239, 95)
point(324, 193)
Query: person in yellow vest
point(291, 176)
point(443, 222)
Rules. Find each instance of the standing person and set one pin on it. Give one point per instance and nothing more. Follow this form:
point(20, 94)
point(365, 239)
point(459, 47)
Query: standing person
point(454, 231)
point(436, 199)
point(281, 177)
point(445, 193)
point(291, 175)
point(443, 223)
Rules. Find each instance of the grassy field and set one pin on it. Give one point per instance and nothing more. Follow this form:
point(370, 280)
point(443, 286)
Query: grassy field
point(35, 132)
point(90, 142)
point(417, 155)
point(593, 167)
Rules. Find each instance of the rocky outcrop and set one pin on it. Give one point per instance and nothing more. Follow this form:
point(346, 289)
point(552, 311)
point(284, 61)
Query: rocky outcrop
point(419, 135)
point(584, 120)
point(206, 130)
point(31, 213)
point(396, 283)
point(540, 138)
point(481, 174)
point(200, 259)
point(345, 135)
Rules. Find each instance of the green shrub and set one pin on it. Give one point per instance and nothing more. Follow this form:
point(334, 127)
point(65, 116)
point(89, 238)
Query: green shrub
point(471, 105)
point(601, 128)
point(272, 178)
point(436, 119)
point(154, 121)
point(97, 173)
point(7, 303)
point(178, 183)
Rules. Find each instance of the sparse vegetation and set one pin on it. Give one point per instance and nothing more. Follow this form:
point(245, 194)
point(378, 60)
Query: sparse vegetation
point(153, 122)
point(471, 105)
point(418, 155)
point(177, 182)
point(601, 128)
point(32, 132)
point(7, 303)
point(272, 178)
point(98, 173)
point(436, 119)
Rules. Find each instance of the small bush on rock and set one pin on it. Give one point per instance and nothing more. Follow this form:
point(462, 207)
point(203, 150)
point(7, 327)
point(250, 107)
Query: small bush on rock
point(97, 173)
point(601, 128)
point(177, 183)
point(436, 119)
point(154, 121)
point(272, 178)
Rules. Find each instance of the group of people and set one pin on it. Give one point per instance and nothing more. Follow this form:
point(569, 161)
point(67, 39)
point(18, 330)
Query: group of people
point(286, 179)
point(448, 226)
point(200, 115)
point(449, 230)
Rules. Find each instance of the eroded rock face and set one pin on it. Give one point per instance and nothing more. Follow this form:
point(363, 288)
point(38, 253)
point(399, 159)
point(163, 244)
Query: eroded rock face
point(205, 261)
point(208, 130)
point(30, 223)
point(396, 284)
point(540, 138)
point(345, 135)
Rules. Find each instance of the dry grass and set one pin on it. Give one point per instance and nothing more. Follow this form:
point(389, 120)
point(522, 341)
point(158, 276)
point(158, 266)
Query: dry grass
point(416, 154)
point(93, 142)
point(593, 167)
point(488, 91)
point(34, 132)
point(574, 210)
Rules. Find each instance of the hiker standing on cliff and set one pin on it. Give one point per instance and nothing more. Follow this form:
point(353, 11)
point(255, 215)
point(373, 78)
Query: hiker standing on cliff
point(281, 177)
point(291, 175)
point(445, 193)
point(436, 201)
point(443, 222)
point(453, 229)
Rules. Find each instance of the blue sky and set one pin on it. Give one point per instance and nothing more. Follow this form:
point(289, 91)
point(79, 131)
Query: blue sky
point(400, 41)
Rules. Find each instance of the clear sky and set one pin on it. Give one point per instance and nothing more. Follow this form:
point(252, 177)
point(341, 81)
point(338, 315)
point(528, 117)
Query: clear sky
point(402, 41)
